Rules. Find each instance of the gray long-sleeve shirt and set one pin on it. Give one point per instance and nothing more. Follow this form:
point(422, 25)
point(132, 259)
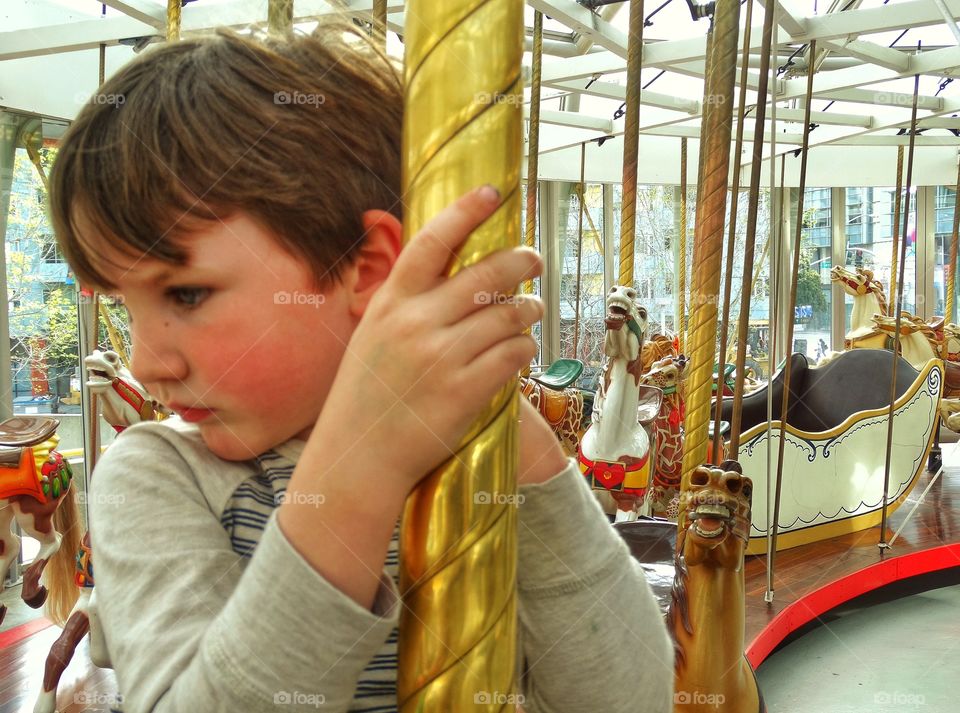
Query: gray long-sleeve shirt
point(206, 606)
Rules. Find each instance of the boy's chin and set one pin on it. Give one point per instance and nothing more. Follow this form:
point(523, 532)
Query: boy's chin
point(232, 446)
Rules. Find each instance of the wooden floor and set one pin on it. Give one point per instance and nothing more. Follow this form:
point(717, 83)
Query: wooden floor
point(809, 580)
point(823, 574)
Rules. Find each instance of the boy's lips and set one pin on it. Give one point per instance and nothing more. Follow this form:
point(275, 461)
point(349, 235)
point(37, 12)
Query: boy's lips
point(189, 414)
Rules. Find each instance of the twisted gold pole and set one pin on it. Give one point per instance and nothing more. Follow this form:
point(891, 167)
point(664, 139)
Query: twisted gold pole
point(716, 456)
point(682, 258)
point(458, 549)
point(173, 22)
point(631, 144)
point(380, 22)
point(708, 231)
point(897, 204)
point(279, 17)
point(533, 144)
point(952, 271)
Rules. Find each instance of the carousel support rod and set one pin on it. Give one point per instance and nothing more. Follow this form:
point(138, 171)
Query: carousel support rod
point(791, 307)
point(582, 201)
point(280, 17)
point(533, 143)
point(753, 202)
point(883, 545)
point(173, 22)
point(897, 211)
point(458, 629)
point(379, 23)
point(952, 271)
point(717, 455)
point(682, 254)
point(708, 233)
point(631, 144)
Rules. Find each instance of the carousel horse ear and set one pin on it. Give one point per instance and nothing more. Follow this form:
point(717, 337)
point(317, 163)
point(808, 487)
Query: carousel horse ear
point(731, 465)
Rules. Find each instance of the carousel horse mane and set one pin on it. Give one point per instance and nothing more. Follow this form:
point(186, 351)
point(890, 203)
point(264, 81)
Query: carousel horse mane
point(856, 380)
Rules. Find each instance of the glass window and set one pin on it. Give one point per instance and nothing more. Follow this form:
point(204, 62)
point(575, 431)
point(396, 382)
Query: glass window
point(581, 315)
point(943, 206)
point(812, 314)
point(537, 330)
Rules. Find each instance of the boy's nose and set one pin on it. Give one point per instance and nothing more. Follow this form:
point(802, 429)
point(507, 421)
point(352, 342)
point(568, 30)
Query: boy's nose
point(156, 358)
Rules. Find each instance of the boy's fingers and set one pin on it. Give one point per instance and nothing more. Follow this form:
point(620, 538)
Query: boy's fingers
point(488, 282)
point(424, 260)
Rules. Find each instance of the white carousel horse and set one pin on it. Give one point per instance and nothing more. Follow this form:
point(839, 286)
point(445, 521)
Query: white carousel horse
point(123, 402)
point(35, 490)
point(868, 300)
point(615, 451)
point(918, 341)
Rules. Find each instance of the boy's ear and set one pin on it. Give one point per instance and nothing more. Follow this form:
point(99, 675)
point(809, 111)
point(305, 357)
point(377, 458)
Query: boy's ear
point(383, 239)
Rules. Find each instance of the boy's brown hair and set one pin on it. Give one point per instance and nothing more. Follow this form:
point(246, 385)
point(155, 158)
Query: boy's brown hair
point(302, 133)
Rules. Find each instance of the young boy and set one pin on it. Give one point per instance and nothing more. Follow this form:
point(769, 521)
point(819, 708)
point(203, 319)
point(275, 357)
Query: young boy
point(246, 557)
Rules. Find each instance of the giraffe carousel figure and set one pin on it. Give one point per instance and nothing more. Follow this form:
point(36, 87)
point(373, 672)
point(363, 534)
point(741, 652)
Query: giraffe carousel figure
point(667, 374)
point(615, 451)
point(123, 402)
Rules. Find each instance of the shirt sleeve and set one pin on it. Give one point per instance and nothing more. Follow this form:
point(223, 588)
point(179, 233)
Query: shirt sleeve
point(592, 634)
point(190, 625)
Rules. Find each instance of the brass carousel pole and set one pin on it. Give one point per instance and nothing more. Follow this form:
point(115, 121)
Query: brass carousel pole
point(682, 256)
point(716, 456)
point(379, 22)
point(279, 17)
point(791, 307)
point(897, 208)
point(583, 200)
point(753, 203)
point(952, 271)
point(715, 133)
point(173, 21)
point(883, 545)
point(533, 145)
point(457, 556)
point(631, 144)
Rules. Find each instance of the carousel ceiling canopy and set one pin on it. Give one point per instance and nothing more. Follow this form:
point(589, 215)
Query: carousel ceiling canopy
point(867, 53)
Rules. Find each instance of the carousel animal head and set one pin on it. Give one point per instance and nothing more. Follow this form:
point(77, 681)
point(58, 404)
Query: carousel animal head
point(626, 323)
point(666, 373)
point(123, 400)
point(715, 517)
point(951, 333)
point(857, 283)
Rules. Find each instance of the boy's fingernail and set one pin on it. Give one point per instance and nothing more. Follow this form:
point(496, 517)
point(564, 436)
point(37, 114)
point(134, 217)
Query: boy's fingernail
point(489, 193)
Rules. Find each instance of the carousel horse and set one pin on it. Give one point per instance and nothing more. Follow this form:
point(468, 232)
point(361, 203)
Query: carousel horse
point(123, 402)
point(560, 405)
point(868, 300)
point(667, 374)
point(614, 452)
point(950, 414)
point(918, 340)
point(706, 613)
point(35, 490)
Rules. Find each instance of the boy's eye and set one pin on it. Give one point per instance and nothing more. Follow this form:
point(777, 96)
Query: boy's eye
point(188, 296)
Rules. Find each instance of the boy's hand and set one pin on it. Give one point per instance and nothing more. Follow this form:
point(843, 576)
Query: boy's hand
point(430, 352)
point(541, 456)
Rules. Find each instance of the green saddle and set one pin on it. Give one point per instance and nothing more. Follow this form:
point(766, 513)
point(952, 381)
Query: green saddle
point(727, 371)
point(560, 374)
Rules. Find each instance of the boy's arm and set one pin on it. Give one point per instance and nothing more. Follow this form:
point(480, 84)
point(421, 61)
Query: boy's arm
point(193, 626)
point(592, 633)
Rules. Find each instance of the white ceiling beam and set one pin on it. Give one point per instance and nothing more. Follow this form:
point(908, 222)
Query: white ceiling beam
point(784, 18)
point(871, 52)
point(584, 23)
point(894, 16)
point(826, 118)
point(609, 90)
point(573, 119)
point(141, 10)
point(70, 37)
point(868, 96)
